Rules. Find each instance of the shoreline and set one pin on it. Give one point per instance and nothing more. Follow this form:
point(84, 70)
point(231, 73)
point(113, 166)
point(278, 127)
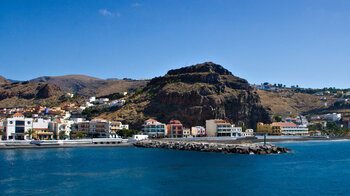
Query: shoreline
point(33, 146)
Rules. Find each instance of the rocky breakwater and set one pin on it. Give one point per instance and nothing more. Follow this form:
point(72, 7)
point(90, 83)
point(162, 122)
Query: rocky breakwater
point(213, 147)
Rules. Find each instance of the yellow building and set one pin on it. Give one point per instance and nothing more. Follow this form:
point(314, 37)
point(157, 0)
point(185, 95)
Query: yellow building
point(269, 129)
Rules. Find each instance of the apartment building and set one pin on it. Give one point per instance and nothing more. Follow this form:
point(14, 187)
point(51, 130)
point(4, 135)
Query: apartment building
point(154, 128)
point(218, 128)
point(175, 129)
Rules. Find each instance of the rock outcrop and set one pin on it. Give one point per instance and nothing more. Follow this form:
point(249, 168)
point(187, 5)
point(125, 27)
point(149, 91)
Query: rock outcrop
point(213, 147)
point(195, 94)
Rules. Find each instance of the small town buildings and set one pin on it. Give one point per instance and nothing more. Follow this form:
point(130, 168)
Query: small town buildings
point(99, 128)
point(332, 117)
point(154, 128)
point(198, 131)
point(114, 126)
point(41, 129)
point(218, 128)
point(117, 103)
point(17, 127)
point(175, 129)
point(248, 133)
point(292, 128)
point(103, 100)
point(269, 129)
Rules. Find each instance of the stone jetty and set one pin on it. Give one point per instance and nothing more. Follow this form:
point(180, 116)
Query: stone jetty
point(256, 148)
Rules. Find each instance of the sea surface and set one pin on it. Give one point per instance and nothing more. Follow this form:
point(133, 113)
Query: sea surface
point(315, 168)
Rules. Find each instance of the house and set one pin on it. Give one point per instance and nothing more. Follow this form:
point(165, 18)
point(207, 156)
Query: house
point(198, 131)
point(154, 128)
point(332, 117)
point(41, 129)
point(175, 129)
point(187, 132)
point(61, 128)
point(117, 103)
point(17, 127)
point(248, 133)
point(218, 128)
point(291, 128)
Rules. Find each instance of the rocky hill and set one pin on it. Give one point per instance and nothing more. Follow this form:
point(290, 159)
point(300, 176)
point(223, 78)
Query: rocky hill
point(192, 95)
point(24, 94)
point(4, 81)
point(89, 86)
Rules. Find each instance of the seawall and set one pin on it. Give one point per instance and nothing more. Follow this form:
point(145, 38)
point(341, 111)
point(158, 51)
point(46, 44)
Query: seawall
point(256, 148)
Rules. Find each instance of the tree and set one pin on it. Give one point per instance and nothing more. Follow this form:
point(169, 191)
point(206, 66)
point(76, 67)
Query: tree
point(62, 134)
point(127, 132)
point(30, 132)
point(278, 118)
point(80, 135)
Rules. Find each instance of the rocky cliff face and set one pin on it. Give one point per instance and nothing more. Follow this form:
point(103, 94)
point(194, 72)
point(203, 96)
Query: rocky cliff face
point(28, 94)
point(194, 94)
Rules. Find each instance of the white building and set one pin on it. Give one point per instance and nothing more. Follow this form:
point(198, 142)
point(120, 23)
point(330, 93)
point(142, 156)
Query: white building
point(198, 131)
point(248, 133)
point(41, 129)
point(117, 103)
point(114, 126)
point(16, 128)
point(292, 128)
point(140, 137)
point(236, 131)
point(332, 117)
point(102, 100)
point(91, 99)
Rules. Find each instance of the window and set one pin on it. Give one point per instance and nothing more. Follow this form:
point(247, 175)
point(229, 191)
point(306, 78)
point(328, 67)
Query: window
point(11, 122)
point(28, 122)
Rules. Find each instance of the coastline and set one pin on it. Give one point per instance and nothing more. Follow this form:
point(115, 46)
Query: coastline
point(205, 140)
point(33, 146)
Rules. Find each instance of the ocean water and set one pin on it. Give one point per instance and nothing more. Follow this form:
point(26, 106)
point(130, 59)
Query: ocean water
point(315, 168)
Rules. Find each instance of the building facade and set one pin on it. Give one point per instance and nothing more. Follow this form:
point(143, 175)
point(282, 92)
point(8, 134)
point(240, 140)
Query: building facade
point(292, 128)
point(17, 127)
point(175, 129)
point(218, 128)
point(154, 128)
point(198, 131)
point(269, 129)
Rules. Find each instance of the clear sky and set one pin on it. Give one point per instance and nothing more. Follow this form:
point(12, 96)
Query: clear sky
point(279, 41)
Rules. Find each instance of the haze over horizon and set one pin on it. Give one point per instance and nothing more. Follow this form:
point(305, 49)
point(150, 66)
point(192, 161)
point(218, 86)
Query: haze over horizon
point(300, 42)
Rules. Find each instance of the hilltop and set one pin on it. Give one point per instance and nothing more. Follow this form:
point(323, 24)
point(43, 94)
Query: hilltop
point(90, 86)
point(192, 95)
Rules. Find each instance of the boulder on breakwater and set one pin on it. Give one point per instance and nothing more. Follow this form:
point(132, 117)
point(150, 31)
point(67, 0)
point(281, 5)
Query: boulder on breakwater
point(213, 147)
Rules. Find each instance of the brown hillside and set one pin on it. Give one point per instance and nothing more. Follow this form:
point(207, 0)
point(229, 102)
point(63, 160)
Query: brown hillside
point(28, 94)
point(90, 86)
point(296, 103)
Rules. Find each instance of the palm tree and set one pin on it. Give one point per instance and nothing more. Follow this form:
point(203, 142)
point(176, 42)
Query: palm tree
point(30, 132)
point(62, 134)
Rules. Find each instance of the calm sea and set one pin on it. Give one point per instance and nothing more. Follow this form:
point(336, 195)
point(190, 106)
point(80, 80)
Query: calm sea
point(315, 168)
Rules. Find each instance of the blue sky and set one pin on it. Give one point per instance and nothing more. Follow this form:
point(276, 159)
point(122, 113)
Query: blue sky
point(291, 41)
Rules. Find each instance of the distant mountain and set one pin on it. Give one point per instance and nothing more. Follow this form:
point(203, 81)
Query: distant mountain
point(89, 86)
point(192, 95)
point(25, 94)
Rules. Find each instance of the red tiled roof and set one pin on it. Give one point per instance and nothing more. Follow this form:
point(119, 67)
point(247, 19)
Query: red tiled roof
point(18, 114)
point(149, 120)
point(284, 124)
